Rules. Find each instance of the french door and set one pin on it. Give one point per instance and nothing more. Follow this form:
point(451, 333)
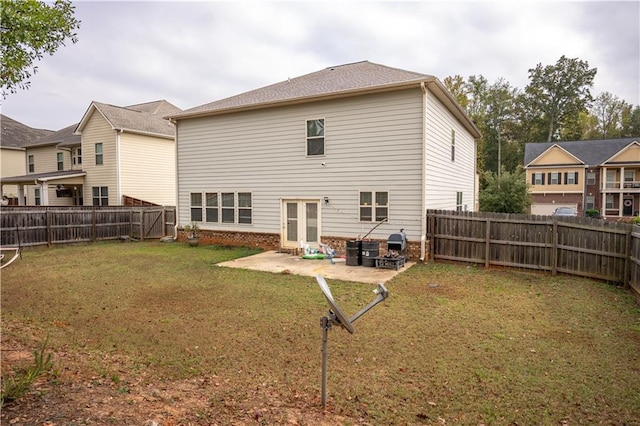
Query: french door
point(300, 222)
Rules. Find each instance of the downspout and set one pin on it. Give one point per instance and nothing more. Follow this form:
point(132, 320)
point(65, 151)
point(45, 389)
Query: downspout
point(176, 216)
point(423, 215)
point(118, 168)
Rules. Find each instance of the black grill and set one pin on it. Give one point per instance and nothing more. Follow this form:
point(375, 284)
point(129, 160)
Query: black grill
point(397, 244)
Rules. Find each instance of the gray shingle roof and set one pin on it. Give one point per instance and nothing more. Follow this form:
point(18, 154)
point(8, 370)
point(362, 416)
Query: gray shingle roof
point(17, 135)
point(63, 137)
point(140, 118)
point(334, 80)
point(590, 152)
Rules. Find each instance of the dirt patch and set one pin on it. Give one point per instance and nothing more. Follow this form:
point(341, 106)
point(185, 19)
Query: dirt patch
point(71, 396)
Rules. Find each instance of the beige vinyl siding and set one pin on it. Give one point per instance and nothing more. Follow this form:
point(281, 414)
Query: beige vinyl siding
point(13, 162)
point(372, 143)
point(45, 158)
point(444, 178)
point(147, 168)
point(560, 187)
point(97, 130)
point(556, 156)
point(628, 155)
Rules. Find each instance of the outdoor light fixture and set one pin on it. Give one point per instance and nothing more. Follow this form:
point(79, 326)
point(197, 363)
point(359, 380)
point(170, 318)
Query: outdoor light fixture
point(326, 200)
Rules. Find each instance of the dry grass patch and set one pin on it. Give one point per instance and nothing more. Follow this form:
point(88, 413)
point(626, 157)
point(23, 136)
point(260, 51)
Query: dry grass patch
point(160, 332)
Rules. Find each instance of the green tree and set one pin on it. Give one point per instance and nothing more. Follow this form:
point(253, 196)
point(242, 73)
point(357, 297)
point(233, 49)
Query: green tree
point(505, 194)
point(607, 109)
point(630, 121)
point(556, 94)
point(29, 29)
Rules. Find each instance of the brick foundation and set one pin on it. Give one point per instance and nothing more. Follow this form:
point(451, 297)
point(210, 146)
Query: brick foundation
point(266, 241)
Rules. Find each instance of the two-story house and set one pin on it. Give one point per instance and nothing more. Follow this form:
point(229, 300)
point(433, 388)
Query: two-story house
point(113, 156)
point(347, 152)
point(14, 137)
point(602, 175)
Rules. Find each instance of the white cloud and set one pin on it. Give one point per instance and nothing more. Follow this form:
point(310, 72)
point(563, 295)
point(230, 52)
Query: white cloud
point(191, 53)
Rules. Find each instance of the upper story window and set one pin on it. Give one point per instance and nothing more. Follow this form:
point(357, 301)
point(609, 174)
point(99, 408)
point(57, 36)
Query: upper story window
point(100, 195)
point(374, 206)
point(571, 178)
point(31, 163)
point(537, 179)
point(628, 175)
point(453, 145)
point(77, 156)
point(315, 137)
point(553, 178)
point(60, 161)
point(99, 154)
point(591, 178)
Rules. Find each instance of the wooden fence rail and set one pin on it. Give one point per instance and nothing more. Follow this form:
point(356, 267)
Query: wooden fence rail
point(31, 226)
point(579, 246)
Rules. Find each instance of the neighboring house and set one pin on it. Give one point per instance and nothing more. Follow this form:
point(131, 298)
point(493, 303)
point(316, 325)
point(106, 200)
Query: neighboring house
point(14, 136)
point(325, 157)
point(602, 175)
point(113, 156)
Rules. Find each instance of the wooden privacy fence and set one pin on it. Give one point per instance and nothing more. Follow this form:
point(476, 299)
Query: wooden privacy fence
point(31, 226)
point(579, 246)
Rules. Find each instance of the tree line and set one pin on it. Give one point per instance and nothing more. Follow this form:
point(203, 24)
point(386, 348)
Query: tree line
point(556, 105)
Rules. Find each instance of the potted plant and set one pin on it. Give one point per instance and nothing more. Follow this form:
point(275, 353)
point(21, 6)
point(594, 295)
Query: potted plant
point(193, 233)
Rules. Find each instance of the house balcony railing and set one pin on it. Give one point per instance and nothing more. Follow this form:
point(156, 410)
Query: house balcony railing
point(627, 186)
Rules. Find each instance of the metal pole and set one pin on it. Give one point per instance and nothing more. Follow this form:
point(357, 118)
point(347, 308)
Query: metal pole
point(326, 325)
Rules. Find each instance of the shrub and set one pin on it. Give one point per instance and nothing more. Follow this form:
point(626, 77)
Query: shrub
point(17, 384)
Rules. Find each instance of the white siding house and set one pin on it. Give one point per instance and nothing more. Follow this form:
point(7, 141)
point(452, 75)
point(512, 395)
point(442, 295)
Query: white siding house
point(325, 158)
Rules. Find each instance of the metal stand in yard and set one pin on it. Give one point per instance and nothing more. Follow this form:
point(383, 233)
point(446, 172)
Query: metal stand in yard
point(336, 316)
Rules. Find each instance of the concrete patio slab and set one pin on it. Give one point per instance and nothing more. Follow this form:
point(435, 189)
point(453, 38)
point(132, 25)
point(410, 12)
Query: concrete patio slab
point(273, 261)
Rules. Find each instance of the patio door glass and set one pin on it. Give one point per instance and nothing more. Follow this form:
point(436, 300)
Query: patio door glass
point(301, 222)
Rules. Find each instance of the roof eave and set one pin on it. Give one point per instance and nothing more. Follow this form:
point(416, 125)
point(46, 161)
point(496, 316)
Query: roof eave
point(142, 132)
point(297, 100)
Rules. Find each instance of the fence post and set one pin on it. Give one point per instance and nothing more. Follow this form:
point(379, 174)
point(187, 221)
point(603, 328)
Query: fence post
point(47, 218)
point(94, 224)
point(554, 248)
point(626, 277)
point(487, 245)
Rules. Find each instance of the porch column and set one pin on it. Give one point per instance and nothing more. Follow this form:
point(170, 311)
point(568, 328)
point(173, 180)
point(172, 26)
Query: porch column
point(21, 200)
point(44, 193)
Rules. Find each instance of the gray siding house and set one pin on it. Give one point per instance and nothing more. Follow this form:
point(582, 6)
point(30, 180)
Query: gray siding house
point(324, 158)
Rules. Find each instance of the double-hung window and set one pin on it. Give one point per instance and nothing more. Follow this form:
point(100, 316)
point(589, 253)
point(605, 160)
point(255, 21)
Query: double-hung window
point(590, 202)
point(32, 164)
point(245, 213)
point(99, 154)
point(100, 195)
point(591, 178)
point(374, 206)
point(60, 158)
point(37, 193)
point(228, 207)
point(195, 206)
point(212, 207)
point(537, 179)
point(315, 137)
point(553, 178)
point(571, 178)
point(77, 156)
point(459, 201)
point(608, 201)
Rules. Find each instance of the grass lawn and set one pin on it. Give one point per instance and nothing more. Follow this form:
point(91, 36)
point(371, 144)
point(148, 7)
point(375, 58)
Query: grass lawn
point(157, 332)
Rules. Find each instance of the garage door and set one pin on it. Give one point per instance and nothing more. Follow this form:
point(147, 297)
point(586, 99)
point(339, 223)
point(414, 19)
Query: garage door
point(547, 209)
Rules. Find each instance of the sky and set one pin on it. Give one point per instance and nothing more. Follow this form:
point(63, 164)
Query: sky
point(193, 53)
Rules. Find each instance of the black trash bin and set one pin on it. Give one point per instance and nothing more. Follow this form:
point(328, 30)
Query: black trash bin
point(370, 250)
point(354, 253)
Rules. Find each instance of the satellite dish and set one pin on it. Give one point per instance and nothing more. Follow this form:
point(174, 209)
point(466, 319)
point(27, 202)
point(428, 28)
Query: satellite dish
point(340, 317)
point(337, 316)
